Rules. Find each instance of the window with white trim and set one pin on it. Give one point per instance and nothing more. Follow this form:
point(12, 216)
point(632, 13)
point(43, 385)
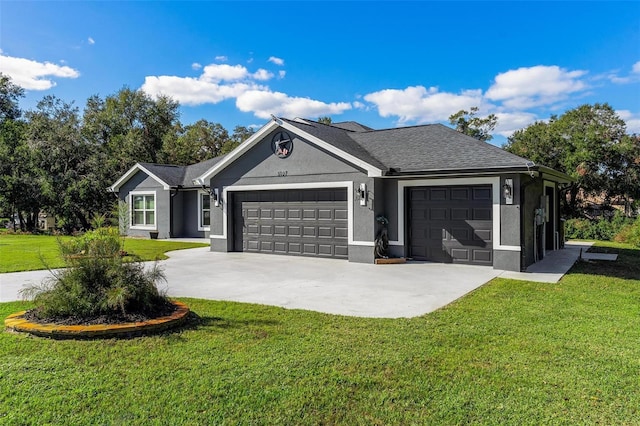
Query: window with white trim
point(143, 210)
point(204, 210)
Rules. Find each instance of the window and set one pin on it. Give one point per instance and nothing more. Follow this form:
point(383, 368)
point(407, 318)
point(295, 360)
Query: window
point(143, 210)
point(205, 211)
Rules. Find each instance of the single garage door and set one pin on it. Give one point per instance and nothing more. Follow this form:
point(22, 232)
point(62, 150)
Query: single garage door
point(309, 222)
point(451, 224)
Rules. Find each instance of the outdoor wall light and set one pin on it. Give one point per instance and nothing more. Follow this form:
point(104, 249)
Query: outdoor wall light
point(508, 191)
point(362, 193)
point(216, 197)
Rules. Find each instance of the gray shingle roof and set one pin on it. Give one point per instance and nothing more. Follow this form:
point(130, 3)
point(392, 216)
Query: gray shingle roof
point(339, 138)
point(171, 175)
point(352, 126)
point(181, 175)
point(195, 170)
point(433, 147)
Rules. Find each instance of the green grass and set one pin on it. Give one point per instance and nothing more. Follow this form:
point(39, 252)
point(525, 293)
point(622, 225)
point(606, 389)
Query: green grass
point(26, 252)
point(511, 352)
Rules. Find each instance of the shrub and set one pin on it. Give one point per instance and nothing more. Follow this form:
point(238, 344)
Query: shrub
point(600, 229)
point(97, 281)
point(630, 234)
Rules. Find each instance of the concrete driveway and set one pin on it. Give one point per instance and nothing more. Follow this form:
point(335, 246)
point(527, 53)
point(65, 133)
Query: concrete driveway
point(324, 285)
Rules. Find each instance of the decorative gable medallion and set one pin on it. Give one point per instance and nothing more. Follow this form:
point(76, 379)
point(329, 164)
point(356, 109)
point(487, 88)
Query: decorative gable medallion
point(282, 144)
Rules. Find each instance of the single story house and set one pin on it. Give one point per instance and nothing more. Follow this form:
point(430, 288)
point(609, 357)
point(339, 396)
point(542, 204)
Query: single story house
point(302, 188)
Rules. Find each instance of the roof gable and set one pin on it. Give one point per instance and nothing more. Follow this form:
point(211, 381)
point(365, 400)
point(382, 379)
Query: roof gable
point(329, 138)
point(138, 167)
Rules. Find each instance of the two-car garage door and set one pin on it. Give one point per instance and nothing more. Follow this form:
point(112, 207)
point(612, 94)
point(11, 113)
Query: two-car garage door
point(305, 222)
point(451, 224)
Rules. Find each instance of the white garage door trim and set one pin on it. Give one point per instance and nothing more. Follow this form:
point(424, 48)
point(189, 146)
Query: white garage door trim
point(495, 186)
point(284, 186)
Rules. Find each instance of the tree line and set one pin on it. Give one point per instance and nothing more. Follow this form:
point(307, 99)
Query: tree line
point(60, 160)
point(590, 143)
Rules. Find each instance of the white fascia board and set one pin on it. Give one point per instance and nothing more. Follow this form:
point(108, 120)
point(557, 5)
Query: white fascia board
point(132, 171)
point(237, 153)
point(372, 171)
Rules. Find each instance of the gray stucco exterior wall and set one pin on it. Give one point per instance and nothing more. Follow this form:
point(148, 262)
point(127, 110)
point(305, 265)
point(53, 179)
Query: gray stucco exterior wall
point(308, 166)
point(190, 215)
point(142, 183)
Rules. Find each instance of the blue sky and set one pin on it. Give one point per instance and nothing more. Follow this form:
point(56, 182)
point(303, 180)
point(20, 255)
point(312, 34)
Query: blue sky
point(384, 64)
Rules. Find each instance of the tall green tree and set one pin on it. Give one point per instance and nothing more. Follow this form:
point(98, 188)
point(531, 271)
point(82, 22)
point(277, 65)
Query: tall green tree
point(194, 143)
point(469, 123)
point(131, 125)
point(19, 185)
point(239, 135)
point(588, 143)
point(68, 166)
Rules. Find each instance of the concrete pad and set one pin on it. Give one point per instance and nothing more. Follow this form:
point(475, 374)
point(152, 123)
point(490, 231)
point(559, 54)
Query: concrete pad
point(553, 266)
point(600, 256)
point(323, 285)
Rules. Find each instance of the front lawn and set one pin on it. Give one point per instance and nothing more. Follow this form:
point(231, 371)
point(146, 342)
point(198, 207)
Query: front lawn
point(511, 352)
point(25, 252)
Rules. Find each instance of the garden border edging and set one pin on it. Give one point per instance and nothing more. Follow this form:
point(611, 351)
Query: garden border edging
point(17, 323)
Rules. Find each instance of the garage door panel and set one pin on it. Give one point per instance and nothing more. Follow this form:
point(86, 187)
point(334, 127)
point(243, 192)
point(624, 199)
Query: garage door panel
point(325, 214)
point(451, 224)
point(436, 194)
point(483, 193)
point(482, 235)
point(269, 222)
point(325, 232)
point(460, 194)
point(482, 214)
point(482, 256)
point(341, 233)
point(340, 214)
point(294, 214)
point(438, 214)
point(460, 254)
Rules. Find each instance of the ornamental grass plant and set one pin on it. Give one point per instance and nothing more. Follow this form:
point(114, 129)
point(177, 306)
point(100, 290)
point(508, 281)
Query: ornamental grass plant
point(98, 283)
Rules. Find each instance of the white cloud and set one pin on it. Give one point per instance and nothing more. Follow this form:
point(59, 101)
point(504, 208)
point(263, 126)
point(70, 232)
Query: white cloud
point(196, 66)
point(633, 76)
point(218, 82)
point(282, 74)
point(422, 105)
point(222, 72)
point(535, 86)
point(632, 120)
point(262, 75)
point(33, 75)
point(263, 103)
point(193, 91)
point(275, 60)
point(509, 122)
point(221, 58)
point(91, 40)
